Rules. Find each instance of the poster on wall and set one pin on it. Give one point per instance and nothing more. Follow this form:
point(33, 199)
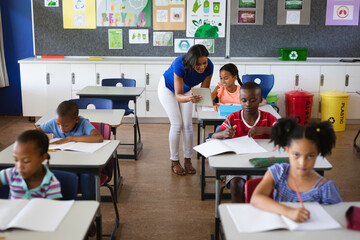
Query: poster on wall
point(120, 13)
point(138, 36)
point(294, 12)
point(208, 43)
point(162, 39)
point(51, 3)
point(169, 14)
point(247, 12)
point(205, 18)
point(79, 14)
point(342, 12)
point(182, 45)
point(115, 37)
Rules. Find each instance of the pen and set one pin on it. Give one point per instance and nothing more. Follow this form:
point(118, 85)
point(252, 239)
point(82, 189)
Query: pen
point(51, 150)
point(35, 126)
point(228, 121)
point(298, 194)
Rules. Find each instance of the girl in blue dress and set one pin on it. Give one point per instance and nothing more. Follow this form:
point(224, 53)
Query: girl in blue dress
point(302, 144)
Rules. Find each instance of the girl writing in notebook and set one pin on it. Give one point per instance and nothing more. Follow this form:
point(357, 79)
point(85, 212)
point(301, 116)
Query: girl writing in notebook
point(302, 144)
point(227, 91)
point(30, 178)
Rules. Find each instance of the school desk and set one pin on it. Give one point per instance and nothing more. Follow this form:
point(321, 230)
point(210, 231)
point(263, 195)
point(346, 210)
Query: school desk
point(113, 117)
point(74, 225)
point(337, 211)
point(213, 118)
point(76, 162)
point(118, 93)
point(238, 164)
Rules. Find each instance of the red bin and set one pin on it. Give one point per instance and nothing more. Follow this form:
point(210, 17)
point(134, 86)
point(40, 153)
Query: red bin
point(298, 105)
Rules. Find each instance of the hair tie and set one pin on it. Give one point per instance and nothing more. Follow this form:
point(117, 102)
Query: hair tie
point(318, 129)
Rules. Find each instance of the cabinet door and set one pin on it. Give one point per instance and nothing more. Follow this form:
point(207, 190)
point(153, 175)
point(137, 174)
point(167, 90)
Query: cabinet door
point(333, 78)
point(257, 69)
point(216, 76)
point(353, 109)
point(284, 77)
point(58, 85)
point(153, 105)
point(140, 105)
point(134, 71)
point(82, 75)
point(307, 78)
point(103, 71)
point(316, 106)
point(352, 83)
point(33, 90)
point(153, 74)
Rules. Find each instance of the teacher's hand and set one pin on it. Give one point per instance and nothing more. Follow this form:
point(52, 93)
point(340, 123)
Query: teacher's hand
point(194, 98)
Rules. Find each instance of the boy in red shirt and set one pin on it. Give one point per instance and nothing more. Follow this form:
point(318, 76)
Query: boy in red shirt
point(249, 121)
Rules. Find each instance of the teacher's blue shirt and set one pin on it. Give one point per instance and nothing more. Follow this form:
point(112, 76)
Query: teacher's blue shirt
point(191, 78)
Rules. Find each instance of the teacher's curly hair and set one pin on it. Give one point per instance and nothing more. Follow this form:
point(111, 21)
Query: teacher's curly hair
point(190, 58)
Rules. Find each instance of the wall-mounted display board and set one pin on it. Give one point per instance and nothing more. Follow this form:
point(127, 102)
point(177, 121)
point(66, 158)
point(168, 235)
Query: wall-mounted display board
point(247, 12)
point(295, 12)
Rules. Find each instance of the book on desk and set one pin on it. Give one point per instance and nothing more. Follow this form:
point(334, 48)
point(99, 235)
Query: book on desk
point(79, 146)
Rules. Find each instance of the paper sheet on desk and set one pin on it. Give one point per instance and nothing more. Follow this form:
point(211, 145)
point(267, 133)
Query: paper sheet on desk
point(207, 109)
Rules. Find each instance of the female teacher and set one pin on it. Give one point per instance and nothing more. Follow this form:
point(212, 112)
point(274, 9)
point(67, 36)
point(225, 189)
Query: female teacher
point(175, 95)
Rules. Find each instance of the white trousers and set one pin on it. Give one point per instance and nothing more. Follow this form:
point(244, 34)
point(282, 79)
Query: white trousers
point(180, 116)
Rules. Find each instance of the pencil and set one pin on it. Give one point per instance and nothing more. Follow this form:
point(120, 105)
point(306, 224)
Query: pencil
point(35, 126)
point(298, 193)
point(228, 121)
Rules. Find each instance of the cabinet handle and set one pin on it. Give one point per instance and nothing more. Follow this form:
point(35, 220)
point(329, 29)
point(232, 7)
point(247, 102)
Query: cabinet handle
point(73, 78)
point(122, 75)
point(322, 80)
point(97, 78)
point(147, 79)
point(346, 80)
point(319, 106)
point(297, 80)
point(147, 105)
point(48, 78)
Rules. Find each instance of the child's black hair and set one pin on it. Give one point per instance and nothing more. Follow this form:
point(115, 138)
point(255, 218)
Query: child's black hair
point(321, 134)
point(191, 57)
point(233, 70)
point(67, 108)
point(40, 139)
point(250, 85)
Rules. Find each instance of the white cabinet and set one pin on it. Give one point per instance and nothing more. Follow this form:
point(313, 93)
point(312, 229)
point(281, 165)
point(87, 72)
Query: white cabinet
point(307, 78)
point(284, 78)
point(58, 84)
point(215, 79)
point(257, 69)
point(153, 74)
point(352, 78)
point(332, 78)
point(103, 71)
point(134, 71)
point(353, 109)
point(82, 75)
point(153, 105)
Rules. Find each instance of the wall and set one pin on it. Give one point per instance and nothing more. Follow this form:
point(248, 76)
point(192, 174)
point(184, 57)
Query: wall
point(18, 44)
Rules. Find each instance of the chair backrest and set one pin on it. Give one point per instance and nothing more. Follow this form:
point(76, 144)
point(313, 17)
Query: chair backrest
point(250, 186)
point(69, 184)
point(99, 103)
point(266, 82)
point(4, 192)
point(104, 129)
point(125, 82)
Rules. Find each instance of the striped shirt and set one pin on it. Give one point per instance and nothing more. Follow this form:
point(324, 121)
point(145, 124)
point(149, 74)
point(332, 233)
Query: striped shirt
point(49, 187)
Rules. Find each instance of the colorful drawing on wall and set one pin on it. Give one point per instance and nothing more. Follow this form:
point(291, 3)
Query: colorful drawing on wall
point(183, 45)
point(124, 13)
point(51, 3)
point(292, 4)
point(247, 3)
point(176, 14)
point(79, 14)
point(138, 36)
point(177, 2)
point(205, 18)
point(162, 38)
point(162, 15)
point(208, 43)
point(342, 12)
point(246, 16)
point(79, 5)
point(161, 2)
point(115, 38)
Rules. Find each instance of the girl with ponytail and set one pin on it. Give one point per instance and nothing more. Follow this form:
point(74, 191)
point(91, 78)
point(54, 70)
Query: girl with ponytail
point(302, 144)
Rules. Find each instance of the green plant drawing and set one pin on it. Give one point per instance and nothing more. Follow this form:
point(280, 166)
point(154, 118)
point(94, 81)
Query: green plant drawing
point(196, 6)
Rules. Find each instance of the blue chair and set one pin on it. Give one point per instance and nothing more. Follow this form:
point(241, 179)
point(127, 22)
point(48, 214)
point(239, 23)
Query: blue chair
point(69, 184)
point(266, 84)
point(99, 103)
point(4, 192)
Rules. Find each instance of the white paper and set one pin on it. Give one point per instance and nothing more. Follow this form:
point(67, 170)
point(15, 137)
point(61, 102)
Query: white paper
point(162, 38)
point(79, 5)
point(79, 19)
point(208, 43)
point(79, 146)
point(207, 109)
point(161, 3)
point(9, 209)
point(293, 17)
point(176, 14)
point(182, 45)
point(138, 36)
point(181, 2)
point(162, 16)
point(205, 94)
point(343, 12)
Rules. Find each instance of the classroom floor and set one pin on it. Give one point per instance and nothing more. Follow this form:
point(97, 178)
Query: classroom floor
point(154, 203)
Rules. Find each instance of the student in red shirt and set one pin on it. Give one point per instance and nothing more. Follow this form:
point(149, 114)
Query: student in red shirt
point(249, 121)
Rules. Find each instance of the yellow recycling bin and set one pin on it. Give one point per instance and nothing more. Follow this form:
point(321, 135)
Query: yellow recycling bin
point(333, 108)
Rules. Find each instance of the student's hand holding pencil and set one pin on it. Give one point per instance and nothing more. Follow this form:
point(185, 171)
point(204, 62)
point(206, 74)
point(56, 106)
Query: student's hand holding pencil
point(229, 132)
point(194, 98)
point(297, 214)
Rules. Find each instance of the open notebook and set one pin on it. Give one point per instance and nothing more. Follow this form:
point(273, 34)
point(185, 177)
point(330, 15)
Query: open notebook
point(240, 145)
point(79, 146)
point(37, 214)
point(257, 220)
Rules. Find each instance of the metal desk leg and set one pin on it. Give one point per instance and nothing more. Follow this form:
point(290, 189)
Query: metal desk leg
point(198, 137)
point(98, 213)
point(217, 219)
point(202, 180)
point(135, 133)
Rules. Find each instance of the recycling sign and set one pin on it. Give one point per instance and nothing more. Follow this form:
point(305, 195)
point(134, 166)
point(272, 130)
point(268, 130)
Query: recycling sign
point(293, 55)
point(332, 120)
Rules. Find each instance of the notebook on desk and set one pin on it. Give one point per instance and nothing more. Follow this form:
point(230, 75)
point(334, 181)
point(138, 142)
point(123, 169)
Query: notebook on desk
point(79, 146)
